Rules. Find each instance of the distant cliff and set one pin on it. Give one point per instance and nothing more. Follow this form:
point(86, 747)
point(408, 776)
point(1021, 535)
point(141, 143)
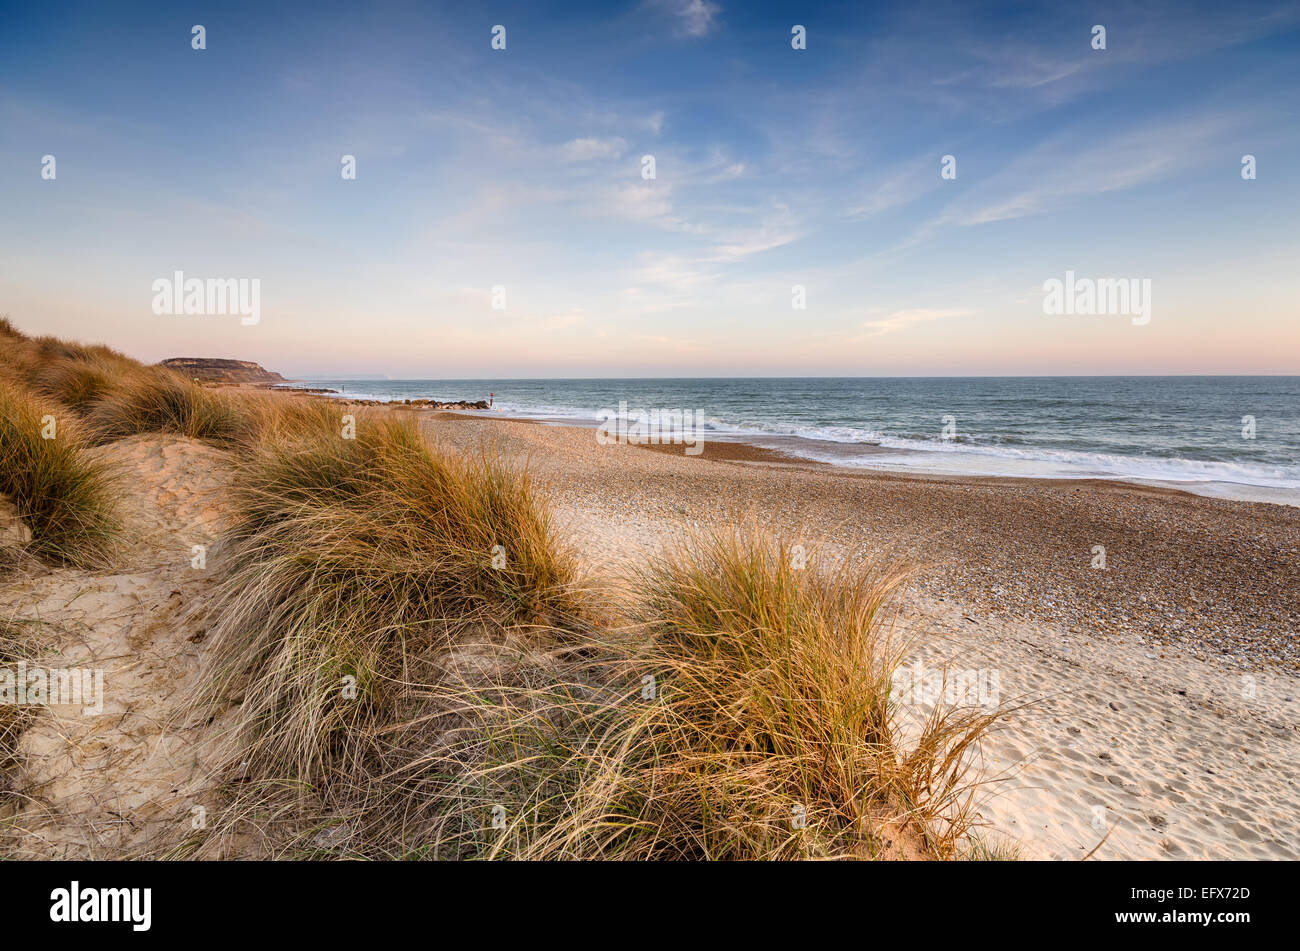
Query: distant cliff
point(211, 370)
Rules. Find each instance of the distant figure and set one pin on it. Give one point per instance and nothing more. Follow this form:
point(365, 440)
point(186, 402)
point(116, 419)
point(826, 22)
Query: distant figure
point(491, 397)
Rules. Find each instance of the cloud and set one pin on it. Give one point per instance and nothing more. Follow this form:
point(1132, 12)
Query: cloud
point(901, 319)
point(915, 181)
point(673, 273)
point(638, 202)
point(694, 17)
point(1072, 168)
point(753, 241)
point(583, 150)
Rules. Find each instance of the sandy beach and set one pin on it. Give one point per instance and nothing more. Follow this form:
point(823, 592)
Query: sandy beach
point(1164, 687)
point(1155, 699)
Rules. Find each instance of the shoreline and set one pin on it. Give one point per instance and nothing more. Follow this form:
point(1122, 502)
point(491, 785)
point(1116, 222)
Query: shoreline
point(1208, 577)
point(776, 448)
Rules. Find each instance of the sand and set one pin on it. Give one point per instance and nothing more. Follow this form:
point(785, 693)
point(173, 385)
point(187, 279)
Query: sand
point(1160, 732)
point(125, 782)
point(1151, 732)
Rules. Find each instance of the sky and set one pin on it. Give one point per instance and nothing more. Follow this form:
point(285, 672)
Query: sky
point(774, 168)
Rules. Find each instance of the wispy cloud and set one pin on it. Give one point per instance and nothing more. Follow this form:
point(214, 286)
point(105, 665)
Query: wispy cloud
point(636, 202)
point(1078, 165)
point(776, 230)
point(917, 178)
point(902, 319)
point(582, 150)
point(693, 17)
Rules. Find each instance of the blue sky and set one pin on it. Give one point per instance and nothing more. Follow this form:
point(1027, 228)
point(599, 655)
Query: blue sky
point(774, 167)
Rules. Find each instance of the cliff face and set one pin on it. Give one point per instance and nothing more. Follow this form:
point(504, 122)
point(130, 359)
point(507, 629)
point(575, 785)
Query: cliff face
point(211, 370)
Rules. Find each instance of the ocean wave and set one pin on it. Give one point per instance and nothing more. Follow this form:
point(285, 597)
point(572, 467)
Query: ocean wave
point(1064, 463)
point(970, 452)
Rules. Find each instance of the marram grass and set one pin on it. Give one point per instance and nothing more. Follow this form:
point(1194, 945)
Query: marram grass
point(353, 562)
point(739, 709)
point(158, 400)
point(63, 494)
point(751, 718)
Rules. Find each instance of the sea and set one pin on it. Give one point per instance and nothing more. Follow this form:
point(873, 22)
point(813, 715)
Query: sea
point(1228, 436)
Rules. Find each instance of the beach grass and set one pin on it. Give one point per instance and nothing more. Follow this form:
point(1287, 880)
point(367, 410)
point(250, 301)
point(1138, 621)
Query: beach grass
point(20, 640)
point(351, 562)
point(749, 717)
point(78, 382)
point(63, 494)
point(732, 707)
point(157, 400)
point(118, 397)
point(13, 718)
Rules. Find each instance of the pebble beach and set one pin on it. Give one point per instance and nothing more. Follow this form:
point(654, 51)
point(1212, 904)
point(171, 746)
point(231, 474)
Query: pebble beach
point(1209, 578)
point(1151, 705)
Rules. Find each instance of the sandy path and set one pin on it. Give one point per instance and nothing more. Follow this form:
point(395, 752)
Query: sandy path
point(111, 784)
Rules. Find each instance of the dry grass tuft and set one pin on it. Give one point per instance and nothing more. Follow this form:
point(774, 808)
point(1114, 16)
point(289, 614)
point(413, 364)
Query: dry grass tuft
point(742, 711)
point(78, 382)
point(353, 564)
point(157, 400)
point(13, 719)
point(18, 641)
point(63, 494)
point(770, 732)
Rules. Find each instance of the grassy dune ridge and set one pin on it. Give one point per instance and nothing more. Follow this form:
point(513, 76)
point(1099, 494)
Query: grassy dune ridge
point(115, 396)
point(406, 660)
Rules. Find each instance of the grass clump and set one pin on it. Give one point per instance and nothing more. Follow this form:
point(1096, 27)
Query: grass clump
point(741, 709)
point(769, 731)
point(118, 396)
point(78, 382)
point(157, 400)
point(18, 642)
point(981, 848)
point(63, 494)
point(13, 718)
point(353, 564)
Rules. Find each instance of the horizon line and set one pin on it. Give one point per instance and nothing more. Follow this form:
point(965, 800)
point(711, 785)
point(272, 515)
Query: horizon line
point(352, 378)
